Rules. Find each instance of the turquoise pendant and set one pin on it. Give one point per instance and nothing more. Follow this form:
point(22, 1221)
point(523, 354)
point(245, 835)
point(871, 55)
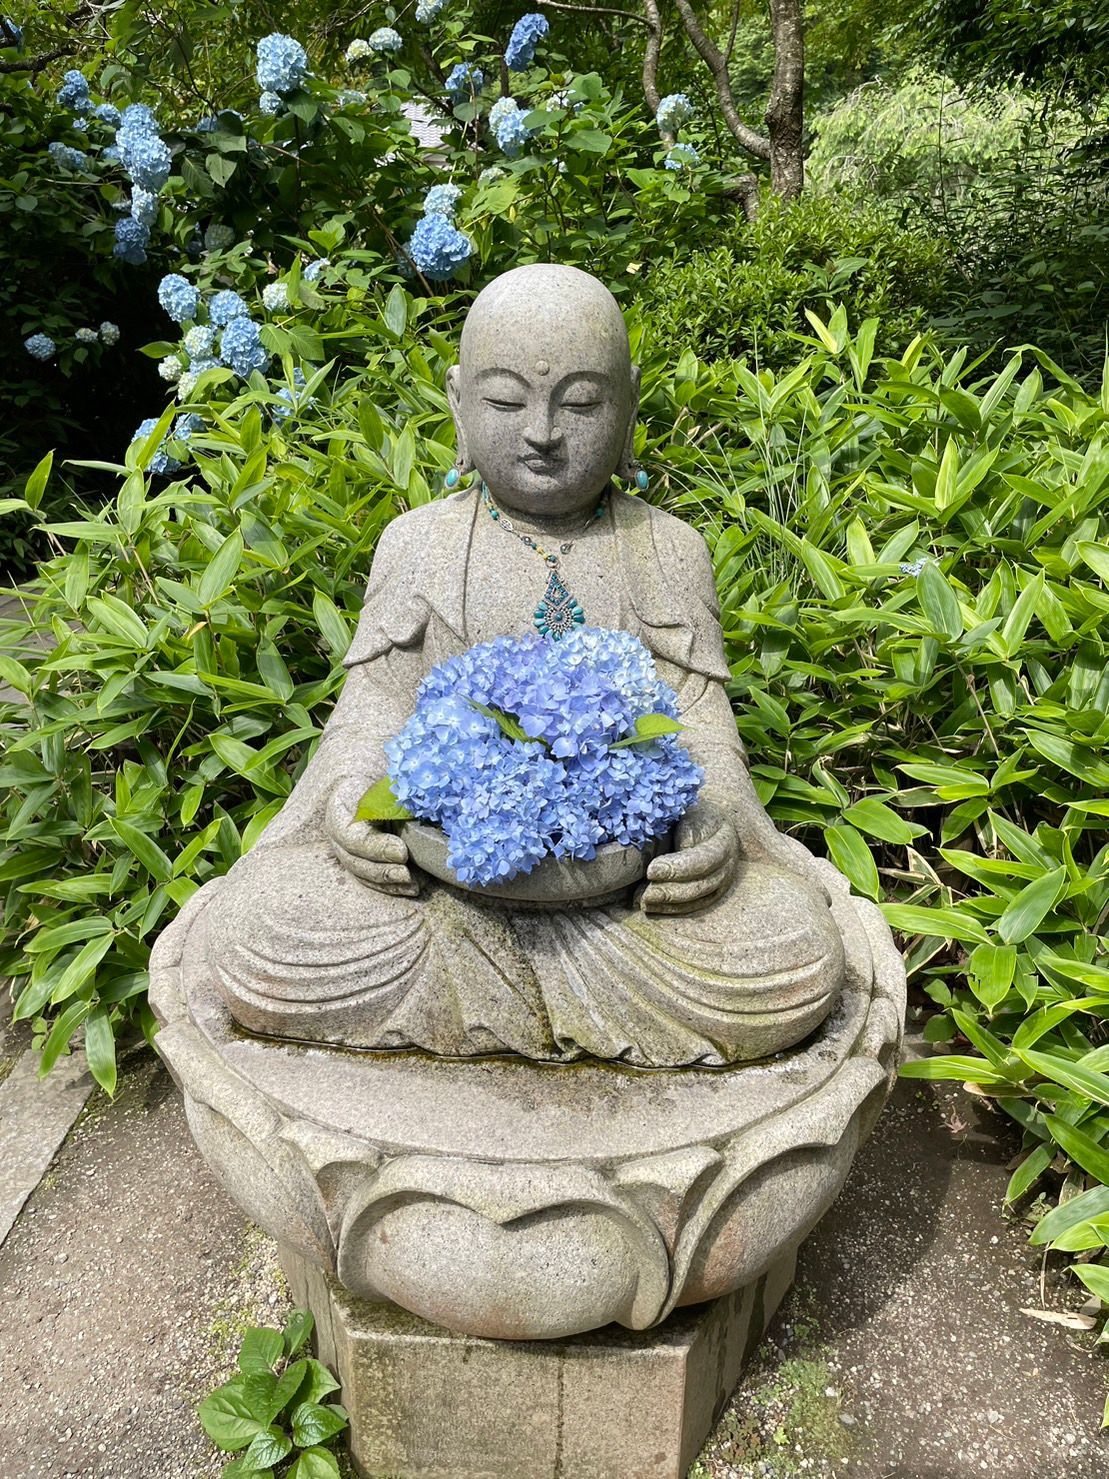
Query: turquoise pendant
point(558, 612)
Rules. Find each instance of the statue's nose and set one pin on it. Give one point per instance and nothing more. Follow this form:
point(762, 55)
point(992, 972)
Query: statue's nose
point(542, 433)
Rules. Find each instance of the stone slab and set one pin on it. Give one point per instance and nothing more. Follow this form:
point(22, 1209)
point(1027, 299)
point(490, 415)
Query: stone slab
point(35, 1117)
point(426, 1403)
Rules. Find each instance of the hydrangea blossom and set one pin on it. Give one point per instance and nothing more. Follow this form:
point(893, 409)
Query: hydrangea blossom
point(188, 381)
point(427, 10)
point(674, 110)
point(109, 332)
point(144, 205)
point(178, 297)
point(270, 104)
point(682, 156)
point(145, 158)
point(161, 462)
point(312, 272)
point(385, 39)
point(491, 173)
point(74, 92)
point(11, 35)
point(225, 306)
point(111, 154)
point(108, 113)
point(913, 567)
point(218, 237)
point(289, 397)
point(200, 342)
point(81, 125)
point(241, 347)
point(464, 81)
point(208, 124)
point(275, 296)
point(506, 119)
point(350, 97)
point(40, 346)
point(442, 200)
point(66, 158)
point(358, 51)
point(282, 64)
point(171, 369)
point(132, 240)
point(439, 249)
point(87, 336)
point(505, 804)
point(527, 33)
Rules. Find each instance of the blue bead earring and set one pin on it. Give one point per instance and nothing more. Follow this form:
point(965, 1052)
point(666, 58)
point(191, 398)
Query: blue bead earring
point(452, 478)
point(641, 480)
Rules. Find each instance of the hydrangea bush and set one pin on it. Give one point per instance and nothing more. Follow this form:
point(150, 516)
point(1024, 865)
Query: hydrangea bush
point(525, 748)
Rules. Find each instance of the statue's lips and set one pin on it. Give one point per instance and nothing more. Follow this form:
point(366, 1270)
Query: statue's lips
point(543, 464)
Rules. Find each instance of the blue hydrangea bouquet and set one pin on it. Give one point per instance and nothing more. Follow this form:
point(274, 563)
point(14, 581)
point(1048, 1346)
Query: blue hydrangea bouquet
point(525, 748)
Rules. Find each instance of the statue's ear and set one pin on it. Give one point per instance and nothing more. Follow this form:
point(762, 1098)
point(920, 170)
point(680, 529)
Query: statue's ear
point(463, 462)
point(628, 466)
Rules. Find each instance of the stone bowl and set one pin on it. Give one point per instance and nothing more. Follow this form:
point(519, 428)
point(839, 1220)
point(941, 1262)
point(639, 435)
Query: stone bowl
point(554, 882)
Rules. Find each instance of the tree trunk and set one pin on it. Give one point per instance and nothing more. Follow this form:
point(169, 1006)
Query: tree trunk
point(785, 108)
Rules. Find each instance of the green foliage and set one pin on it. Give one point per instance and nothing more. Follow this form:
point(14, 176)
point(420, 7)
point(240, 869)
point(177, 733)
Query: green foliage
point(748, 297)
point(272, 1413)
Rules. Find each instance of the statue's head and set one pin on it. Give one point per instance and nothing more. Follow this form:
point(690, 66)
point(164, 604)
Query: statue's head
point(545, 394)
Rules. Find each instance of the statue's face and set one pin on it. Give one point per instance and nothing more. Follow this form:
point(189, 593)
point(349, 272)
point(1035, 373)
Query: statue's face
point(545, 392)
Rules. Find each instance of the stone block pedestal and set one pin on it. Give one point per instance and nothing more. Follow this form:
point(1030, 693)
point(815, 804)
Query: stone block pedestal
point(609, 1404)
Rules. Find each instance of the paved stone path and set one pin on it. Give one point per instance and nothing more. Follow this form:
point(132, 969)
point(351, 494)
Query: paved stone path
point(901, 1354)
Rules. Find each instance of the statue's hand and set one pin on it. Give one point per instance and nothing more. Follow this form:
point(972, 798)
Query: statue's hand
point(702, 866)
point(376, 857)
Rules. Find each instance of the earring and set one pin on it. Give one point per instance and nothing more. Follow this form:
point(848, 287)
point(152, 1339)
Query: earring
point(452, 478)
point(641, 480)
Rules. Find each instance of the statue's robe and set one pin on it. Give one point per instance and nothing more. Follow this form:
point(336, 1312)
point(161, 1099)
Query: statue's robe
point(303, 949)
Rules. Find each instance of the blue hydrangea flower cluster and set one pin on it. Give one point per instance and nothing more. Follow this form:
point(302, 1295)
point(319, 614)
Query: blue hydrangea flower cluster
point(74, 92)
point(162, 461)
point(108, 113)
point(505, 804)
point(282, 64)
point(312, 272)
point(87, 336)
point(527, 33)
point(40, 347)
point(682, 156)
point(438, 249)
point(506, 119)
point(674, 110)
point(178, 297)
point(241, 347)
point(66, 158)
point(131, 241)
point(143, 154)
point(109, 332)
point(442, 200)
point(427, 10)
point(385, 39)
point(11, 35)
point(270, 104)
point(464, 81)
point(275, 297)
point(289, 398)
point(225, 306)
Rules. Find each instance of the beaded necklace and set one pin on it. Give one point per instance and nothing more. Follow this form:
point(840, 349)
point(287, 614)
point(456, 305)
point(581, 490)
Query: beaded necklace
point(559, 612)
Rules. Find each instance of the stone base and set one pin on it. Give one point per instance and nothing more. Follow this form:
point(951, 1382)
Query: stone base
point(426, 1402)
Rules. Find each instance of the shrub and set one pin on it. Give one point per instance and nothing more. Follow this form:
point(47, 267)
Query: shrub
point(748, 298)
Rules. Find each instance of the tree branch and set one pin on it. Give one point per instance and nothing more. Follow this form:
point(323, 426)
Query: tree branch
point(630, 15)
point(650, 55)
point(785, 108)
point(36, 63)
point(747, 138)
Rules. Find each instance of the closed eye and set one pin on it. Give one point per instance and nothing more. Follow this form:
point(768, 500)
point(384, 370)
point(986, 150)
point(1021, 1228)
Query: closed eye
point(580, 405)
point(504, 405)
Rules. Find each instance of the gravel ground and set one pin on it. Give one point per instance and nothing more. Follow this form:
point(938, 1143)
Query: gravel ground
point(902, 1352)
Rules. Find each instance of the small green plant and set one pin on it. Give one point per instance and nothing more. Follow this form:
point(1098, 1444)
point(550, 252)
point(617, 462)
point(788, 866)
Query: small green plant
point(272, 1413)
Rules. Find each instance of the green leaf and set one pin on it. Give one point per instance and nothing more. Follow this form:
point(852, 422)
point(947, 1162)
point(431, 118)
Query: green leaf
point(260, 1351)
point(939, 602)
point(942, 924)
point(298, 1328)
point(1085, 1081)
point(951, 1066)
point(332, 625)
point(508, 725)
point(318, 1383)
point(991, 969)
point(1029, 1172)
point(848, 850)
point(315, 1463)
point(378, 804)
point(268, 1447)
point(396, 311)
point(35, 485)
point(149, 854)
point(647, 727)
point(288, 1385)
point(1031, 906)
point(1082, 1208)
point(313, 1423)
point(221, 570)
point(874, 816)
point(100, 1050)
point(1083, 1150)
point(1095, 1276)
point(947, 479)
point(229, 1416)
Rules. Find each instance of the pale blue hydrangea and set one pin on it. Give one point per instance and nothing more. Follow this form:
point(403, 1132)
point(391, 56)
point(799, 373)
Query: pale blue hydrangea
point(218, 237)
point(438, 249)
point(442, 200)
point(186, 424)
point(913, 567)
point(270, 104)
point(188, 381)
point(682, 156)
point(171, 369)
point(464, 81)
point(66, 158)
point(312, 272)
point(74, 92)
point(132, 240)
point(208, 124)
point(40, 347)
point(87, 336)
point(161, 462)
point(11, 35)
point(350, 97)
point(288, 396)
point(674, 110)
point(275, 296)
point(505, 805)
point(225, 306)
point(109, 332)
point(178, 297)
point(111, 154)
point(144, 205)
point(385, 39)
point(358, 51)
point(490, 174)
point(506, 119)
point(81, 125)
point(200, 341)
point(137, 121)
point(146, 159)
point(527, 33)
point(427, 10)
point(108, 113)
point(241, 347)
point(282, 64)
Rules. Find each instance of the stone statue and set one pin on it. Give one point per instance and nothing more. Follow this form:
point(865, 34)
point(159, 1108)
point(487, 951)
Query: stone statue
point(469, 1179)
point(327, 932)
